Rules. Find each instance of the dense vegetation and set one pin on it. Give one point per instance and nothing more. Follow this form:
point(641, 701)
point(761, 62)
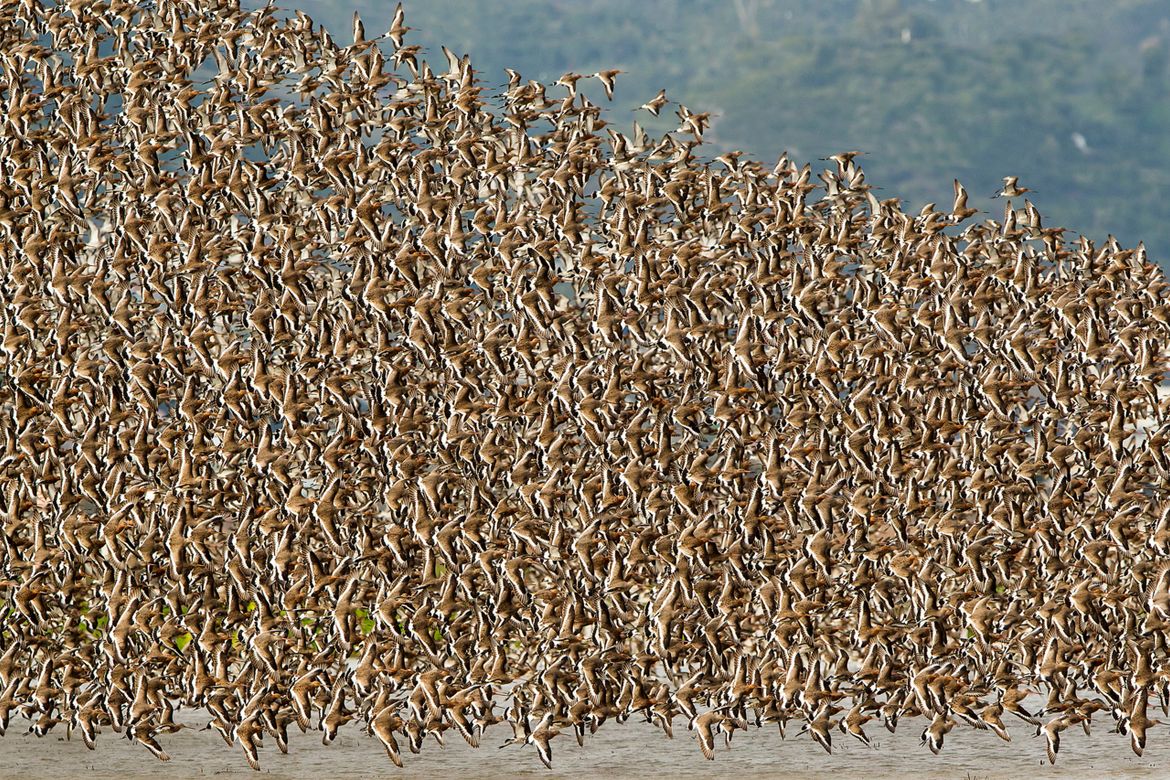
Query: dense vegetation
point(1072, 95)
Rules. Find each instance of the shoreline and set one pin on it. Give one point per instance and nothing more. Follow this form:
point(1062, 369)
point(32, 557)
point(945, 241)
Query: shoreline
point(629, 750)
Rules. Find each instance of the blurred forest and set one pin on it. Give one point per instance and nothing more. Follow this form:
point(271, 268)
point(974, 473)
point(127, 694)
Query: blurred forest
point(1073, 96)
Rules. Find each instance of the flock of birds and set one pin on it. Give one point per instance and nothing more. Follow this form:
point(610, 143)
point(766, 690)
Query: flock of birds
point(340, 389)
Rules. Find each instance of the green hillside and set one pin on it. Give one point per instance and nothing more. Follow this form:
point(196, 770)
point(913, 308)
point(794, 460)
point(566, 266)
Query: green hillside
point(1071, 95)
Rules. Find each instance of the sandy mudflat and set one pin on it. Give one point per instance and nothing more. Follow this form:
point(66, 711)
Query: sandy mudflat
point(617, 751)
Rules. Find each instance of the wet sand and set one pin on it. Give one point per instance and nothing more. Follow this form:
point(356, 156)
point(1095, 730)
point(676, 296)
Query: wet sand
point(629, 750)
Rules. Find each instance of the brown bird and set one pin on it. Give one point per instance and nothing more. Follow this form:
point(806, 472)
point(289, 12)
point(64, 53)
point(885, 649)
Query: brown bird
point(656, 103)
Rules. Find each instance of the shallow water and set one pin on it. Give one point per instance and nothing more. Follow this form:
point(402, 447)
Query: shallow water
point(629, 750)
